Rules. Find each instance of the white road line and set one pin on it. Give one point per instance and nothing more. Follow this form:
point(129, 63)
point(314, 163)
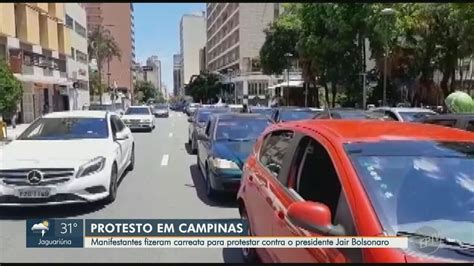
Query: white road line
point(170, 135)
point(164, 161)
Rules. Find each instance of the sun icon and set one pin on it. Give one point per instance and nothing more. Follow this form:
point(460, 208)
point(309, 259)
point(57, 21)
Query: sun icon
point(45, 223)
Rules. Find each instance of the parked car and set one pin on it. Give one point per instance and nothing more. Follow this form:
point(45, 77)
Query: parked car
point(236, 108)
point(404, 114)
point(224, 146)
point(197, 123)
point(66, 157)
point(349, 114)
point(292, 113)
point(344, 178)
point(458, 120)
point(107, 107)
point(161, 110)
point(139, 117)
point(191, 108)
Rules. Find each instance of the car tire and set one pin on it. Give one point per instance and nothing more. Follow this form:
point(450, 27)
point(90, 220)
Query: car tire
point(113, 185)
point(131, 165)
point(210, 192)
point(248, 254)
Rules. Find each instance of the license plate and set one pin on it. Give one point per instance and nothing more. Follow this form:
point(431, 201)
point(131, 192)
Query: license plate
point(34, 193)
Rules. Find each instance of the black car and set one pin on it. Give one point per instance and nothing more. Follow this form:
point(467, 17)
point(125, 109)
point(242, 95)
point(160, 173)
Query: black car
point(349, 114)
point(291, 113)
point(463, 121)
point(224, 146)
point(197, 123)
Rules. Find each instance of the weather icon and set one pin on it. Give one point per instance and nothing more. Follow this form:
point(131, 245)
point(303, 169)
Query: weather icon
point(40, 227)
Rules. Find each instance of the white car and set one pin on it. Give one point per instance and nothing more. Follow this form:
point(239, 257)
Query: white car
point(139, 117)
point(66, 157)
point(404, 114)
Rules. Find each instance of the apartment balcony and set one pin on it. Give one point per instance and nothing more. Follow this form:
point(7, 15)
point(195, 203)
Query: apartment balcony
point(27, 70)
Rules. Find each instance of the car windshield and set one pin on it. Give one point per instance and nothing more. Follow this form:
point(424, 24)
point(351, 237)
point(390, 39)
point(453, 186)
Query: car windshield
point(137, 111)
point(66, 128)
point(240, 128)
point(203, 116)
point(414, 116)
point(420, 183)
point(292, 115)
point(101, 107)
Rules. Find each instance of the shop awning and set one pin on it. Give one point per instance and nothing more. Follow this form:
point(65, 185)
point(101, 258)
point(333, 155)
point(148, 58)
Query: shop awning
point(44, 80)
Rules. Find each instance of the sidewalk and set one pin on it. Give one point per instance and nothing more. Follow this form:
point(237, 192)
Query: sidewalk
point(13, 133)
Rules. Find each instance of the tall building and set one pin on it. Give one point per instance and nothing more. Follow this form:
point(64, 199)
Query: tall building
point(119, 20)
point(77, 63)
point(35, 42)
point(192, 38)
point(202, 59)
point(177, 75)
point(234, 38)
point(154, 76)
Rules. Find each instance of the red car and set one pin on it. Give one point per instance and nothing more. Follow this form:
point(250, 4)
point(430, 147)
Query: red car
point(361, 178)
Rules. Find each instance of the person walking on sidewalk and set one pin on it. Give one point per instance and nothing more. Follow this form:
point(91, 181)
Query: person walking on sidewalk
point(14, 116)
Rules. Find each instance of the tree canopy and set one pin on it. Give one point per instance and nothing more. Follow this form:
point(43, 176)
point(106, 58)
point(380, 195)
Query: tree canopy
point(204, 88)
point(11, 90)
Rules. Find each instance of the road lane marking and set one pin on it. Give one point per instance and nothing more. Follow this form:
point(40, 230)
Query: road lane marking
point(164, 161)
point(170, 135)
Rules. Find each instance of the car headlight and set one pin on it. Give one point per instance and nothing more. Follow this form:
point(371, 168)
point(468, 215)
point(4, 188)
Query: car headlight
point(223, 163)
point(93, 166)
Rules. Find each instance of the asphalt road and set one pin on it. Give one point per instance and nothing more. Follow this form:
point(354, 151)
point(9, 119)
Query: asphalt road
point(165, 184)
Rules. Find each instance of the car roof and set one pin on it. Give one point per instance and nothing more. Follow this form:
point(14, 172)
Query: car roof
point(139, 106)
point(231, 115)
point(85, 114)
point(375, 130)
point(294, 108)
point(405, 109)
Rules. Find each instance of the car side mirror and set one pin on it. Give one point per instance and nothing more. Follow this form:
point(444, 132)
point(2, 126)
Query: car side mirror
point(190, 119)
point(120, 136)
point(202, 137)
point(314, 217)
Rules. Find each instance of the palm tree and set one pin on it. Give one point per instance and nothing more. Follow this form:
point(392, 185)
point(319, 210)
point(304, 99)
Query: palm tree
point(103, 47)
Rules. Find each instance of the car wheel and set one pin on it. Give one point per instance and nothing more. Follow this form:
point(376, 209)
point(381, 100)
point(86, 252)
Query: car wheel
point(210, 192)
point(193, 145)
point(132, 159)
point(113, 185)
point(248, 254)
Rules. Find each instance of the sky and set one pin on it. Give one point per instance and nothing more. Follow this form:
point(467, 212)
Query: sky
point(157, 33)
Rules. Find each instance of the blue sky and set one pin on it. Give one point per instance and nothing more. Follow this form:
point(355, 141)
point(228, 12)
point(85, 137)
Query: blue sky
point(157, 33)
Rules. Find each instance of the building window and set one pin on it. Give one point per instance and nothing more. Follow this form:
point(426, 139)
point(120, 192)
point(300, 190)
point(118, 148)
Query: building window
point(80, 30)
point(69, 22)
point(81, 57)
point(73, 53)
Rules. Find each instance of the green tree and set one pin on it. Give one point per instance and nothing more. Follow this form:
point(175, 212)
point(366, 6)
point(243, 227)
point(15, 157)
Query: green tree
point(11, 90)
point(103, 47)
point(144, 91)
point(204, 87)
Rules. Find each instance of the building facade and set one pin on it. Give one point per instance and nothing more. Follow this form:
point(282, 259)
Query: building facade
point(77, 63)
point(177, 75)
point(118, 18)
point(35, 42)
point(202, 59)
point(192, 38)
point(234, 38)
point(154, 76)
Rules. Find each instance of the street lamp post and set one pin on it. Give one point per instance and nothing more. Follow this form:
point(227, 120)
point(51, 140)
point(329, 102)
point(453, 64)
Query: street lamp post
point(229, 72)
point(288, 57)
point(387, 12)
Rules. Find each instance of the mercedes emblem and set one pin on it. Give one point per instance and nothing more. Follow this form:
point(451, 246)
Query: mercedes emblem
point(34, 177)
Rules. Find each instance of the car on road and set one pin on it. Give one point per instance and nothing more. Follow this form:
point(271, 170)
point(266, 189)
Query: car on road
point(139, 117)
point(66, 157)
point(236, 108)
point(224, 146)
point(107, 107)
point(292, 113)
point(198, 122)
point(349, 114)
point(344, 178)
point(463, 121)
point(404, 114)
point(261, 110)
point(191, 108)
point(161, 110)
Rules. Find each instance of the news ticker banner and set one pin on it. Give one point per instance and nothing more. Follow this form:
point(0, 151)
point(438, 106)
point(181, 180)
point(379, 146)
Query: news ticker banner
point(178, 233)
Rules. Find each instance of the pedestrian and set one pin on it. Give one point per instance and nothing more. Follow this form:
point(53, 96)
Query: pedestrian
point(245, 108)
point(14, 115)
point(45, 108)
